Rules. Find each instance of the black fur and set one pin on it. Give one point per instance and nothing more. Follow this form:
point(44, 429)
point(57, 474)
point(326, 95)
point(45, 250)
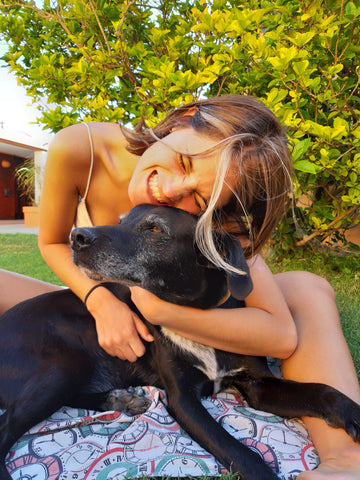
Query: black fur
point(49, 354)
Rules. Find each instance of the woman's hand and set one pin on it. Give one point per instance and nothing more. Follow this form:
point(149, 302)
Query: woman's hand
point(155, 310)
point(119, 329)
point(264, 327)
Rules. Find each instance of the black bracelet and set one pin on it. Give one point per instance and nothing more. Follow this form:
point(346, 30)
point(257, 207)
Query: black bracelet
point(91, 290)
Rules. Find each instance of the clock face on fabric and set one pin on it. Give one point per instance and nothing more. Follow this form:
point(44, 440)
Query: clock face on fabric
point(185, 445)
point(264, 451)
point(29, 467)
point(155, 446)
point(81, 456)
point(239, 426)
point(131, 435)
point(161, 418)
point(180, 466)
point(257, 415)
point(45, 445)
point(111, 466)
point(310, 457)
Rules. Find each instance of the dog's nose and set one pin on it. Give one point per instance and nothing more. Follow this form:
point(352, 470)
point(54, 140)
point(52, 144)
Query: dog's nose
point(82, 238)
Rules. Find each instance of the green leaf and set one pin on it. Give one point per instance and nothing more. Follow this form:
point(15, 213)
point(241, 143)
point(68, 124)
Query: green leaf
point(306, 167)
point(301, 39)
point(300, 67)
point(300, 148)
point(276, 95)
point(351, 10)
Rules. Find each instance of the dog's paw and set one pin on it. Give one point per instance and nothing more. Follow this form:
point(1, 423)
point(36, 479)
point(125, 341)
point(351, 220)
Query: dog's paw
point(345, 413)
point(352, 424)
point(131, 401)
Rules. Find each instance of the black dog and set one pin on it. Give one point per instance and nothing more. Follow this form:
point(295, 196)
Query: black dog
point(49, 354)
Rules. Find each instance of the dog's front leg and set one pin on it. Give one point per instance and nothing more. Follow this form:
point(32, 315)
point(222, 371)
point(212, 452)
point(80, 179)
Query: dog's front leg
point(294, 399)
point(183, 387)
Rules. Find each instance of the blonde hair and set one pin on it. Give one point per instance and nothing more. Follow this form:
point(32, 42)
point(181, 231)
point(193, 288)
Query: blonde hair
point(252, 147)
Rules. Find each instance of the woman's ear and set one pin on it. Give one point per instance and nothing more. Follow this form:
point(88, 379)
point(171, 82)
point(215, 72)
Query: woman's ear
point(191, 112)
point(183, 117)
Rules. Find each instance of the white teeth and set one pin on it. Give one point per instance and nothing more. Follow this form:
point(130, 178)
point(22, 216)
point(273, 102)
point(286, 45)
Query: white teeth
point(154, 187)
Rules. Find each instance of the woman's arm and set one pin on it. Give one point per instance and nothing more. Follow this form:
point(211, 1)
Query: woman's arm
point(68, 161)
point(264, 327)
point(65, 179)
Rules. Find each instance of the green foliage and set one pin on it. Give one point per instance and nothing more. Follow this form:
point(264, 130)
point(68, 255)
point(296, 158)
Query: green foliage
point(25, 177)
point(120, 60)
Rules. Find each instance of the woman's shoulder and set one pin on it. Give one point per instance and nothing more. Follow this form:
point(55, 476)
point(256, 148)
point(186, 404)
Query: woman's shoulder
point(72, 145)
point(77, 135)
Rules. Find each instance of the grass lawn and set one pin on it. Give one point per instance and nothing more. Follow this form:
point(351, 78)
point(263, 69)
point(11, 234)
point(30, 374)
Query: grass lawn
point(19, 253)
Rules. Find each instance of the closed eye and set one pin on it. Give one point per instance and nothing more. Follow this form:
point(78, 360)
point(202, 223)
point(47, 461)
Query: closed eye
point(181, 162)
point(186, 165)
point(200, 202)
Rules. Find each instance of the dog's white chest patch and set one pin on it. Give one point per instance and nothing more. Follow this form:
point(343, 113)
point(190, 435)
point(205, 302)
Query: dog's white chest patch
point(205, 355)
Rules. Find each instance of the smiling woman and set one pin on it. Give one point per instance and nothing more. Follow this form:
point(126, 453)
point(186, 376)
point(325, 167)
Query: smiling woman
point(178, 171)
point(229, 162)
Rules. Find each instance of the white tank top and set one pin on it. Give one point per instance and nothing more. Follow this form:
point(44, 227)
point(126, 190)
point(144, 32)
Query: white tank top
point(82, 218)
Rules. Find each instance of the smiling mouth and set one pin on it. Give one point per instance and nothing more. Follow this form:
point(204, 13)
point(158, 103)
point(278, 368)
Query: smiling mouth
point(154, 187)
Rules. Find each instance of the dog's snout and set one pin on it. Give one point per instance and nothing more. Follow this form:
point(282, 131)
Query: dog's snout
point(82, 238)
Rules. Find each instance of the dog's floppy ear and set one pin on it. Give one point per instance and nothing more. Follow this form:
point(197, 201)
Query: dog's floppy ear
point(240, 286)
point(122, 217)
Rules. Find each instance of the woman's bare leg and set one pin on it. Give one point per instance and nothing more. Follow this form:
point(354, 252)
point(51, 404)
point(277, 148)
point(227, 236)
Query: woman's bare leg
point(14, 288)
point(322, 356)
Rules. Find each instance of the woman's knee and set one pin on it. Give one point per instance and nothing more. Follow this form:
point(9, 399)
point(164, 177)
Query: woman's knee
point(316, 285)
point(15, 288)
point(301, 288)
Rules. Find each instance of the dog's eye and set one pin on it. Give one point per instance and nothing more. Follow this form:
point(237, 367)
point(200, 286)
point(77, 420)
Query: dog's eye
point(151, 227)
point(155, 224)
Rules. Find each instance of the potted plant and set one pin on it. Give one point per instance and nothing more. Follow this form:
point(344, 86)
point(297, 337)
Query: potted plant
point(25, 175)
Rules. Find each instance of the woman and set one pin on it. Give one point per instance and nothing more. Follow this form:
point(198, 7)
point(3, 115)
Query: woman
point(226, 160)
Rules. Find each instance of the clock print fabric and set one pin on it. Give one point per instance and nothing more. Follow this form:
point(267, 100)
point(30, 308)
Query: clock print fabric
point(75, 444)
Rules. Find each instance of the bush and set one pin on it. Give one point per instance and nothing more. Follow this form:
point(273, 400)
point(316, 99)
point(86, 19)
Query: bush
point(121, 60)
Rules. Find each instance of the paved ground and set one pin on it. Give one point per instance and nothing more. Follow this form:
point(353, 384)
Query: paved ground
point(16, 226)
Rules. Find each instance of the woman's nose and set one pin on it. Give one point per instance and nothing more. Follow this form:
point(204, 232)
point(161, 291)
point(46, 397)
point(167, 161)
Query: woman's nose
point(176, 188)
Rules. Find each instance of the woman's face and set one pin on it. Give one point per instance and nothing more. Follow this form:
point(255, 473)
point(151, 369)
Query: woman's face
point(164, 177)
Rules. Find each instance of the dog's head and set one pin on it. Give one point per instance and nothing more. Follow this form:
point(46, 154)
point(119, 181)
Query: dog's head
point(153, 247)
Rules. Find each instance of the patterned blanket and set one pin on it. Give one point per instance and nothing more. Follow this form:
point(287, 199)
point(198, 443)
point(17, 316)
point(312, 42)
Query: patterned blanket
point(76, 444)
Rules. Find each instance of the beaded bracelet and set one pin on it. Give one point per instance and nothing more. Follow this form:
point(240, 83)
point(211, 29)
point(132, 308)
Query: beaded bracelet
point(91, 290)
